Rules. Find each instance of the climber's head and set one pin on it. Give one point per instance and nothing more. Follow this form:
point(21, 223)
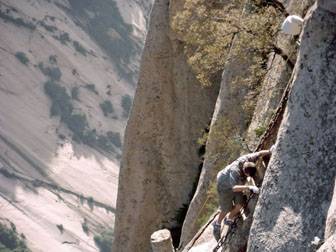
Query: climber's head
point(249, 169)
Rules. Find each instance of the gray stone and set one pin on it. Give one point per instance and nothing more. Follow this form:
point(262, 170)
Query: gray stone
point(160, 161)
point(229, 106)
point(298, 184)
point(161, 241)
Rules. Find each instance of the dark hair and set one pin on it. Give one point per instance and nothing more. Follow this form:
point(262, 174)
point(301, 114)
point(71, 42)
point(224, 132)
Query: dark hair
point(250, 169)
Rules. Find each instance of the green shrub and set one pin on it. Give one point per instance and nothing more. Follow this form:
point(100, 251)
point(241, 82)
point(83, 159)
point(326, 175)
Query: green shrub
point(104, 143)
point(17, 21)
point(92, 88)
point(260, 131)
point(104, 240)
point(115, 138)
point(90, 202)
point(126, 104)
point(207, 32)
point(85, 227)
point(64, 38)
point(21, 56)
point(107, 107)
point(61, 101)
point(49, 28)
point(11, 241)
point(77, 123)
point(75, 93)
point(53, 59)
point(79, 48)
point(54, 73)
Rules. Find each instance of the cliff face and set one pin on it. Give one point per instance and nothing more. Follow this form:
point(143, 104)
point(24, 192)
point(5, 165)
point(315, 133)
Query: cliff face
point(160, 163)
point(68, 71)
point(230, 108)
point(298, 184)
point(160, 160)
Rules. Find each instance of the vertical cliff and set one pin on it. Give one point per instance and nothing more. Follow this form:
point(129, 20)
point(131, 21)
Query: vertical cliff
point(298, 184)
point(160, 164)
point(160, 161)
point(245, 105)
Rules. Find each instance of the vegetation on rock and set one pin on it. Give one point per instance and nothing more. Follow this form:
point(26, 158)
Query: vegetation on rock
point(76, 121)
point(208, 30)
point(79, 48)
point(11, 241)
point(216, 33)
point(104, 240)
point(22, 57)
point(107, 107)
point(126, 104)
point(18, 21)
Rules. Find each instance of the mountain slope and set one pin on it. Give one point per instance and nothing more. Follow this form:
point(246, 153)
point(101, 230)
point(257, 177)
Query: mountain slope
point(67, 79)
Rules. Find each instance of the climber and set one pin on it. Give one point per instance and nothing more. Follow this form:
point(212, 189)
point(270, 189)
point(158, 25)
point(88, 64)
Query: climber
point(230, 188)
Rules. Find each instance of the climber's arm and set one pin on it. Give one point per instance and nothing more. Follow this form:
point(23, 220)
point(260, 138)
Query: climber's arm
point(241, 188)
point(253, 157)
point(263, 153)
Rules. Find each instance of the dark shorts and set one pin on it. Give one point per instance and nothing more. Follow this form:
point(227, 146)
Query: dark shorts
point(228, 198)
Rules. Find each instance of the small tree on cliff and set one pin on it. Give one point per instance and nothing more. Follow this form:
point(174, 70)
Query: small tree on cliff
point(208, 28)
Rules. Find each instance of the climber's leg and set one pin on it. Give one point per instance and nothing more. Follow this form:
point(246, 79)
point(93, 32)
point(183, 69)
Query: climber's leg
point(234, 211)
point(239, 201)
point(221, 216)
point(225, 204)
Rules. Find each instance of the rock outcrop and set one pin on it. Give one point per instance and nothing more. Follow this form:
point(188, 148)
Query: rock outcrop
point(160, 162)
point(229, 107)
point(298, 184)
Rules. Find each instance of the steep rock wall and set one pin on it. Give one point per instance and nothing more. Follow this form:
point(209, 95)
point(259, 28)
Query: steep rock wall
point(304, 159)
point(229, 108)
point(160, 161)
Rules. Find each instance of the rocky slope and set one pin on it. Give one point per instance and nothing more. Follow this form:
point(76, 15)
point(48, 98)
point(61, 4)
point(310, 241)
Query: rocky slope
point(68, 72)
point(299, 181)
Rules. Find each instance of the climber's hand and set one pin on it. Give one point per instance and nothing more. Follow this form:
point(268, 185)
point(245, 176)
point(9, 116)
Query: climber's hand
point(254, 189)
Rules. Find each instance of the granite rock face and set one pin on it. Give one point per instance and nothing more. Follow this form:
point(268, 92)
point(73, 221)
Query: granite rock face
point(229, 108)
point(298, 184)
point(160, 158)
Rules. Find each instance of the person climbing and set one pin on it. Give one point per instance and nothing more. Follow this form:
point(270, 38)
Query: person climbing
point(230, 188)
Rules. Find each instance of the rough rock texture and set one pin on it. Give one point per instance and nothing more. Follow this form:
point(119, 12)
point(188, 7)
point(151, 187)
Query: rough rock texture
point(46, 177)
point(161, 241)
point(160, 161)
point(228, 107)
point(304, 158)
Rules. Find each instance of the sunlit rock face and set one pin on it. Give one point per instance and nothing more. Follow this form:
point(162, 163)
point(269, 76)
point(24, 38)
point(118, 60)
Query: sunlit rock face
point(160, 161)
point(68, 75)
point(299, 182)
